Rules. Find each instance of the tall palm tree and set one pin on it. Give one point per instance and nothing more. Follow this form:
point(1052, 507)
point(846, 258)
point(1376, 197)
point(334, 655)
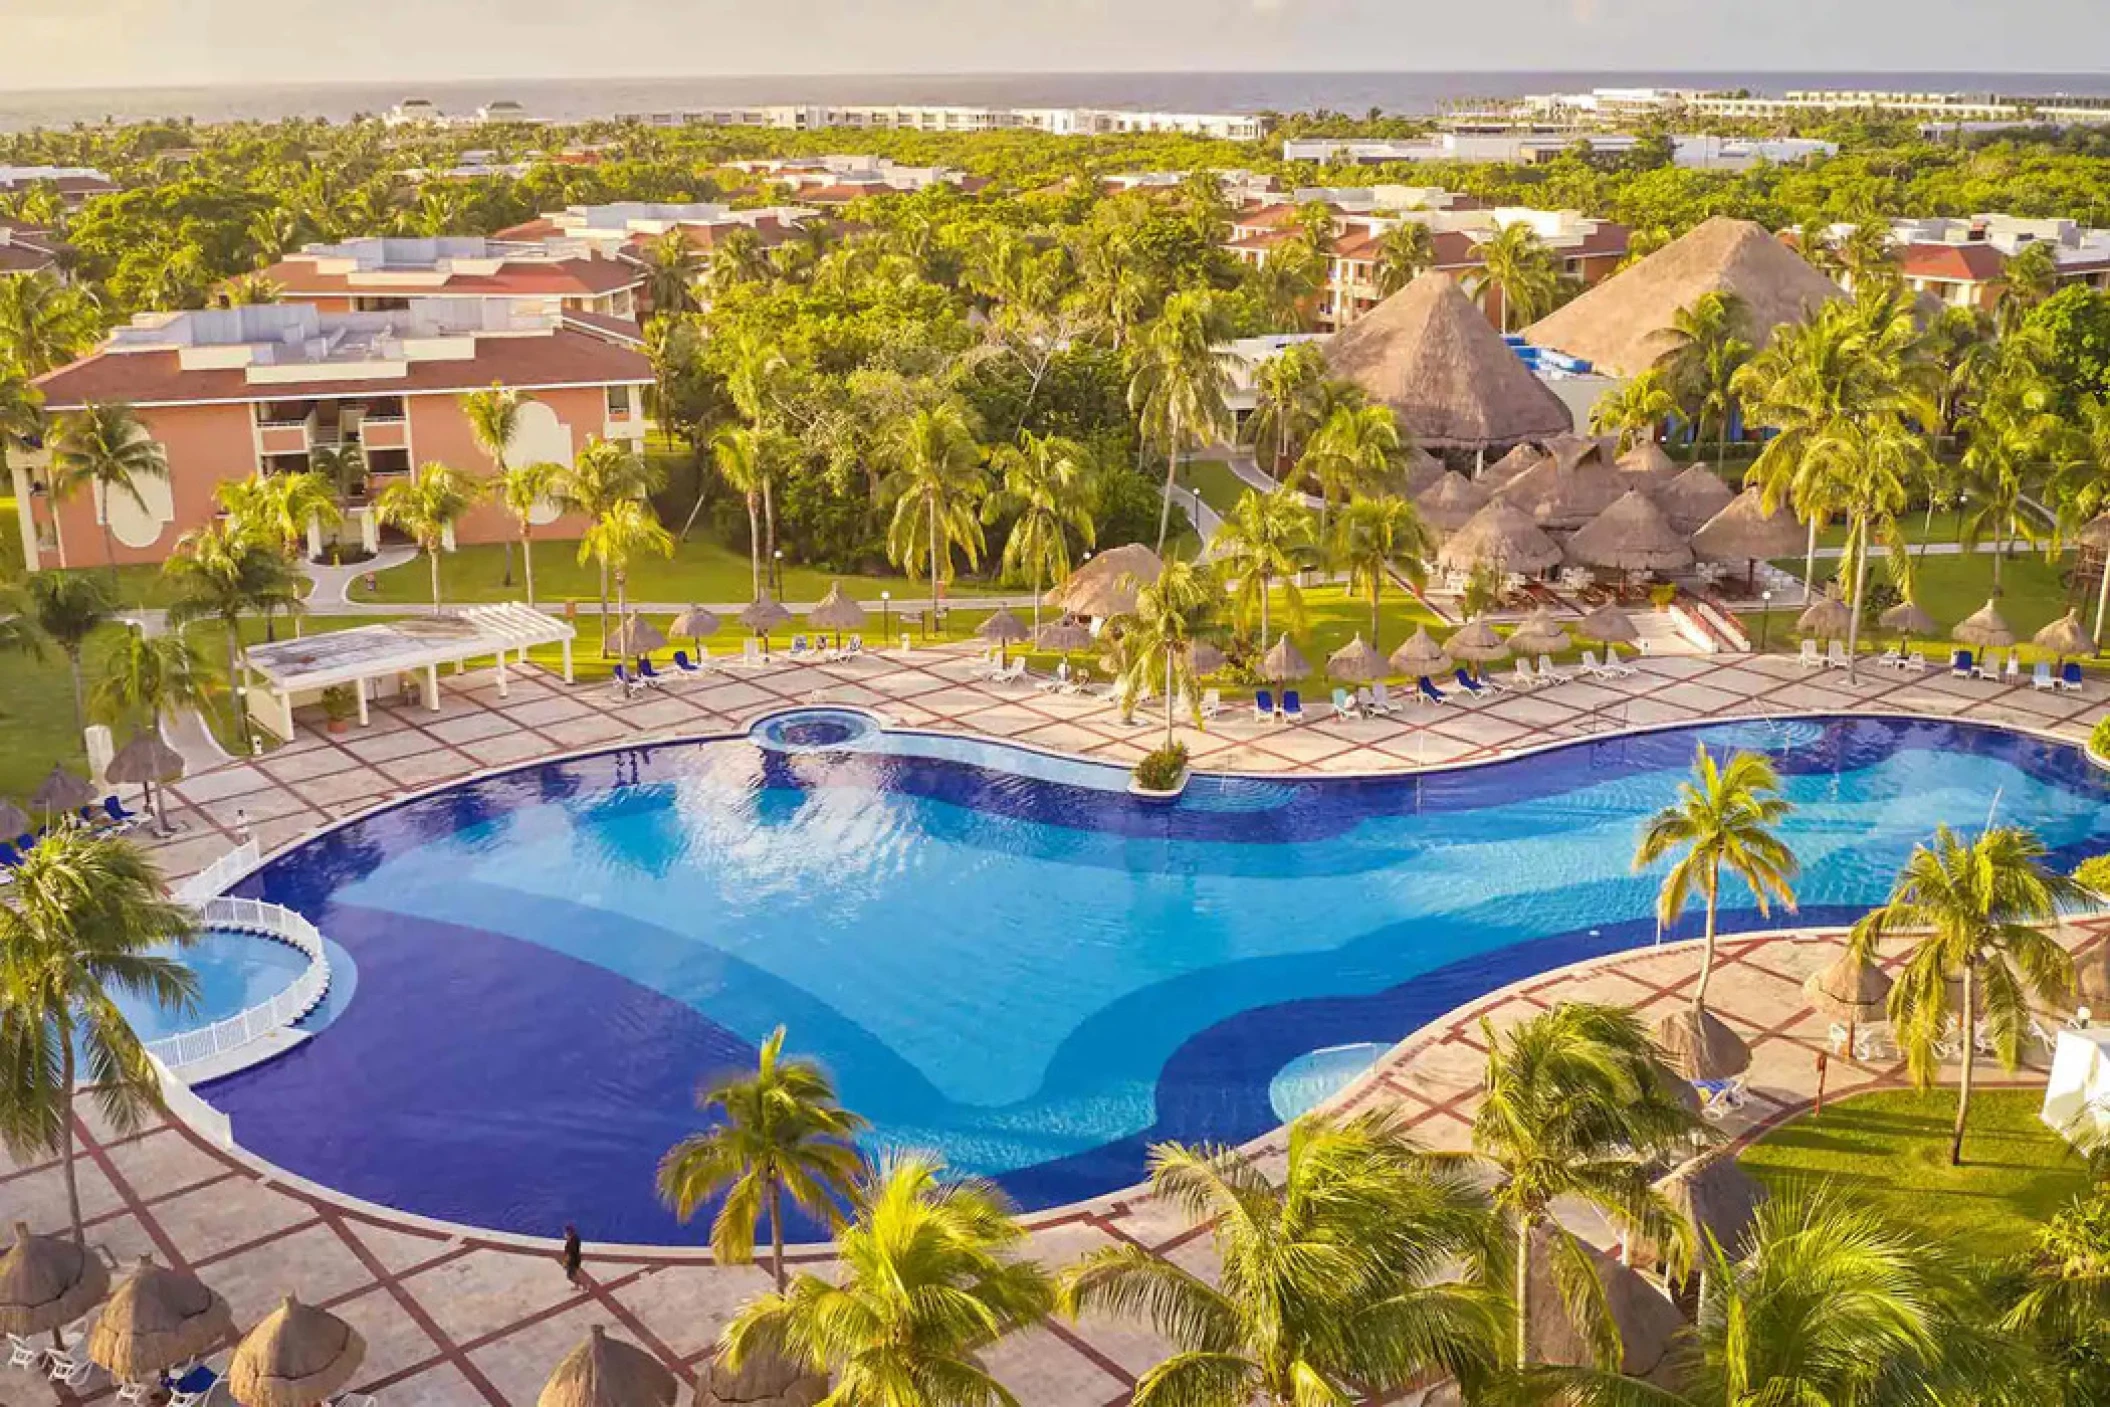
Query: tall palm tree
point(1973, 907)
point(1576, 1106)
point(2009, 435)
point(105, 446)
point(1635, 411)
point(1157, 639)
point(524, 490)
point(1870, 467)
point(2030, 276)
point(1337, 1283)
point(427, 506)
point(1725, 818)
point(2063, 1301)
point(279, 507)
point(1178, 387)
point(1709, 342)
point(44, 323)
point(494, 423)
point(935, 482)
point(602, 477)
point(746, 459)
point(628, 530)
point(1351, 453)
point(341, 465)
point(1374, 536)
point(1287, 282)
point(1044, 480)
point(1265, 538)
point(86, 922)
point(2082, 486)
point(21, 415)
point(929, 1276)
point(1516, 264)
point(778, 1130)
point(672, 267)
point(757, 377)
point(66, 609)
point(145, 677)
point(220, 572)
point(1404, 253)
point(1285, 402)
point(737, 257)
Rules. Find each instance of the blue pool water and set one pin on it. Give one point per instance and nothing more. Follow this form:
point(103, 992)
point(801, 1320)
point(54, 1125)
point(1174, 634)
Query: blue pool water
point(1001, 955)
point(235, 971)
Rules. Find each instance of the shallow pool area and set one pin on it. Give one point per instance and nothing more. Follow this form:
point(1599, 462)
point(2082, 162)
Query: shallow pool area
point(235, 971)
point(1001, 955)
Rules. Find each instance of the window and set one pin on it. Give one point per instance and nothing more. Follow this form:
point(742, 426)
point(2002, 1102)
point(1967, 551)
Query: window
point(618, 402)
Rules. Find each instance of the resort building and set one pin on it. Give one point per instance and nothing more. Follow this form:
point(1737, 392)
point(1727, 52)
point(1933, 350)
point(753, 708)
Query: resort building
point(1589, 249)
point(924, 117)
point(25, 249)
point(621, 230)
point(232, 392)
point(72, 184)
point(384, 274)
point(1963, 262)
point(838, 180)
point(1526, 148)
point(1608, 106)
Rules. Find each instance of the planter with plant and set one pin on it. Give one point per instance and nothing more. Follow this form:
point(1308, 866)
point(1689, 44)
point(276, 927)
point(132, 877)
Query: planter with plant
point(2099, 744)
point(1662, 594)
point(339, 706)
point(1162, 774)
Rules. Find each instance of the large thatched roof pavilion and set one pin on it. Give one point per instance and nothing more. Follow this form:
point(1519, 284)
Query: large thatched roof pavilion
point(1620, 325)
point(1446, 373)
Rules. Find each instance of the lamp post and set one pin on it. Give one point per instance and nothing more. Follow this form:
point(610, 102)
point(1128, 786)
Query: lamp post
point(777, 568)
point(886, 603)
point(1765, 619)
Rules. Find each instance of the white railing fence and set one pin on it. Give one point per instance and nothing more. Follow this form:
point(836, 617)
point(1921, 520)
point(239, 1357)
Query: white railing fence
point(296, 1001)
point(208, 882)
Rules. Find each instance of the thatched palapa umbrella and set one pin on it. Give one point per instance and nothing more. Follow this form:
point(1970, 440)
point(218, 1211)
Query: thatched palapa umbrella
point(695, 622)
point(142, 762)
point(1539, 634)
point(1632, 536)
point(2064, 636)
point(836, 612)
point(1478, 644)
point(1827, 618)
point(1698, 1045)
point(1608, 625)
point(1563, 495)
point(1501, 533)
point(47, 1282)
point(1451, 504)
point(1358, 662)
point(1744, 531)
point(1692, 499)
point(61, 792)
point(1647, 1321)
point(14, 820)
point(1002, 629)
point(1067, 635)
point(1106, 585)
point(1648, 465)
point(1204, 656)
point(297, 1357)
point(1421, 471)
point(2091, 982)
point(157, 1319)
point(637, 636)
point(1908, 620)
point(762, 616)
point(1984, 627)
point(1282, 662)
point(1418, 656)
point(1509, 466)
point(605, 1372)
point(1715, 1197)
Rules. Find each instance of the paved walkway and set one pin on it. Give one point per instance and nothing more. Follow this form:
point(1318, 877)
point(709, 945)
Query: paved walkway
point(454, 1317)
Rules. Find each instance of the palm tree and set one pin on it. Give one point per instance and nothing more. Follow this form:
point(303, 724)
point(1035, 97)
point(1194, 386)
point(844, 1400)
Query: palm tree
point(1158, 636)
point(1404, 253)
point(427, 506)
point(2011, 432)
point(746, 459)
point(928, 1277)
point(281, 506)
point(756, 377)
point(1516, 264)
point(44, 323)
point(736, 257)
point(1285, 401)
point(66, 609)
point(1178, 387)
point(602, 477)
point(221, 572)
point(1724, 818)
point(1337, 1284)
point(341, 465)
point(1870, 466)
point(935, 482)
point(1636, 411)
point(1972, 906)
point(1265, 538)
point(525, 490)
point(1045, 481)
point(106, 446)
point(1371, 538)
point(672, 267)
point(85, 923)
point(1710, 341)
point(2063, 1304)
point(627, 530)
point(494, 423)
point(2082, 487)
point(21, 415)
point(144, 676)
point(1576, 1105)
point(2030, 276)
point(1351, 453)
point(780, 1130)
point(1285, 284)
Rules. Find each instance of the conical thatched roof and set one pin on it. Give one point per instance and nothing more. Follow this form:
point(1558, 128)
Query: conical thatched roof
point(836, 611)
point(1698, 1045)
point(1356, 662)
point(1419, 655)
point(1419, 471)
point(1694, 497)
point(1620, 326)
point(1451, 503)
point(13, 819)
point(1431, 356)
point(1716, 1197)
point(605, 1372)
point(47, 1282)
point(1066, 634)
point(1106, 585)
point(764, 1380)
point(1510, 465)
point(1609, 624)
point(61, 790)
point(1848, 988)
point(1985, 627)
point(1745, 532)
point(1478, 643)
point(2091, 982)
point(1283, 661)
point(1631, 535)
point(694, 623)
point(1647, 462)
point(1540, 633)
point(1562, 497)
point(146, 758)
point(298, 1356)
point(2095, 532)
point(157, 1319)
point(763, 615)
point(1002, 628)
point(1647, 1321)
point(2065, 636)
point(1827, 618)
point(1205, 656)
point(1504, 533)
point(1908, 617)
point(1571, 450)
point(636, 636)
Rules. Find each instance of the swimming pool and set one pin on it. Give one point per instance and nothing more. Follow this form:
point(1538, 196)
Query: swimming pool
point(235, 971)
point(1002, 956)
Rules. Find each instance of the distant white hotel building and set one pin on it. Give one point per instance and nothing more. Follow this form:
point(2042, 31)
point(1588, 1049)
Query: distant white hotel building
point(1700, 153)
point(837, 180)
point(1612, 105)
point(1963, 261)
point(1062, 121)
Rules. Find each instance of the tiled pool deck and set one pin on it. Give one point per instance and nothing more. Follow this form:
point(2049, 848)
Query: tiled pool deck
point(458, 1318)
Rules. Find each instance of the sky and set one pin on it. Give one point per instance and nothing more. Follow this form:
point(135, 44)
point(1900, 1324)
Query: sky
point(131, 43)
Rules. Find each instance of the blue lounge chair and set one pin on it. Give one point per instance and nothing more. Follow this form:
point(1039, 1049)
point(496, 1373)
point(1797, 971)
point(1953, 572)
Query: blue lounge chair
point(646, 672)
point(1469, 684)
point(117, 811)
point(1263, 706)
point(625, 681)
point(1292, 706)
point(9, 856)
point(2070, 677)
point(1960, 664)
point(1430, 691)
point(681, 662)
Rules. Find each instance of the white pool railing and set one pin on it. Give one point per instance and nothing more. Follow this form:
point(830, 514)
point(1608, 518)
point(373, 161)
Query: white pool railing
point(273, 921)
point(208, 882)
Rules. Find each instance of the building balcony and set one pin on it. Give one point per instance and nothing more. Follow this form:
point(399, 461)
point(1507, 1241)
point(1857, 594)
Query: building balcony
point(281, 438)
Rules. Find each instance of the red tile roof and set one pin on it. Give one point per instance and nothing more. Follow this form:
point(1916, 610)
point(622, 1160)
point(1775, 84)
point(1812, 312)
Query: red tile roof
point(622, 331)
point(17, 258)
point(519, 278)
point(1951, 263)
point(541, 227)
point(569, 357)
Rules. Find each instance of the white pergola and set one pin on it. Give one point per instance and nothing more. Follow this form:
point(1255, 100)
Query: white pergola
point(280, 676)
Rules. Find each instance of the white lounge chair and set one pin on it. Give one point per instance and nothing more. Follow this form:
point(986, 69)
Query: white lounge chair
point(1835, 655)
point(1381, 695)
point(1914, 663)
point(2013, 673)
point(1345, 706)
point(1614, 667)
point(1723, 1099)
point(1058, 681)
point(1212, 703)
point(1808, 657)
point(1521, 673)
point(71, 1365)
point(751, 653)
point(1015, 673)
point(1591, 667)
point(1549, 675)
point(2041, 678)
point(21, 1353)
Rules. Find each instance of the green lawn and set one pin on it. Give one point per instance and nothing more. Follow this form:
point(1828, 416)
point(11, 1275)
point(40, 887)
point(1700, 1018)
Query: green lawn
point(1213, 480)
point(1893, 1148)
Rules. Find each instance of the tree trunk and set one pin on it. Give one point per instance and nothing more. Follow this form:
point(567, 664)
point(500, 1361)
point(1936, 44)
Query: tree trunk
point(432, 559)
point(80, 709)
point(1714, 886)
point(1036, 607)
point(235, 683)
point(507, 580)
point(1970, 1058)
point(1168, 695)
point(1267, 584)
point(527, 558)
point(1522, 1290)
point(1377, 582)
point(73, 1185)
point(2102, 600)
point(769, 521)
point(930, 506)
point(622, 608)
point(776, 1235)
point(1853, 622)
point(754, 543)
point(1809, 561)
point(1172, 470)
point(604, 608)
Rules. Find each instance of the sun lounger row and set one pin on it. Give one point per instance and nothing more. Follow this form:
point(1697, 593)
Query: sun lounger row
point(109, 814)
point(2068, 680)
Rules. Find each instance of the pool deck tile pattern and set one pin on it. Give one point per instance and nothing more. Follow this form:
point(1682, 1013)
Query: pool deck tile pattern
point(451, 1317)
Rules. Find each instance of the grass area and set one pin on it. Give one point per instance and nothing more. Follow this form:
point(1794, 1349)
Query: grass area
point(1213, 480)
point(1892, 1148)
point(1947, 523)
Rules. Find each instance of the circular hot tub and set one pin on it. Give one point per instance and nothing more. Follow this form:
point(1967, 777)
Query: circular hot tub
point(816, 730)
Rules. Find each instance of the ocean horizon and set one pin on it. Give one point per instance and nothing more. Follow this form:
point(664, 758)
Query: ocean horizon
point(1406, 93)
